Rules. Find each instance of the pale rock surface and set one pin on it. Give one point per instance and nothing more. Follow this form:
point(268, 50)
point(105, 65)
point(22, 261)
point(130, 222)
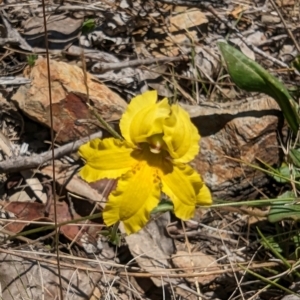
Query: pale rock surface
point(248, 131)
point(69, 98)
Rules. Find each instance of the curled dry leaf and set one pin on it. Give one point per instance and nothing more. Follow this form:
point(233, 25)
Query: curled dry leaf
point(75, 185)
point(62, 31)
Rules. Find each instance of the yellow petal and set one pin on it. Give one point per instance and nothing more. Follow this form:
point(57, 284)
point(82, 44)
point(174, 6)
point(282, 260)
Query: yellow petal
point(182, 185)
point(136, 195)
point(149, 121)
point(181, 136)
point(135, 106)
point(108, 158)
point(144, 117)
point(204, 196)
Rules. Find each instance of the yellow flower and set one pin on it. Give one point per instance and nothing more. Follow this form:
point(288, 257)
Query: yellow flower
point(159, 141)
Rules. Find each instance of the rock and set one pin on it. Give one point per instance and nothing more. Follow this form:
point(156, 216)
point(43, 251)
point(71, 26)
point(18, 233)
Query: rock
point(69, 97)
point(246, 131)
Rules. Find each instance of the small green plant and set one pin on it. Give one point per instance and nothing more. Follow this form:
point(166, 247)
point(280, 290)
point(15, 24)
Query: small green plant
point(250, 76)
point(31, 59)
point(88, 26)
point(296, 63)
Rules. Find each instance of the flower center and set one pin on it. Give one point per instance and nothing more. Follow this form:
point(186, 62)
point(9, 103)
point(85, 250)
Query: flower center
point(156, 143)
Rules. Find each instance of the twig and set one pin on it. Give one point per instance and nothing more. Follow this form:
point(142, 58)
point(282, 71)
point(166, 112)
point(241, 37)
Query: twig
point(13, 80)
point(5, 41)
point(82, 265)
point(83, 8)
point(103, 67)
point(36, 160)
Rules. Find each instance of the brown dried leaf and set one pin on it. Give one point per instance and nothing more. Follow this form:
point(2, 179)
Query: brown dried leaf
point(196, 262)
point(187, 19)
point(63, 215)
point(25, 211)
point(34, 211)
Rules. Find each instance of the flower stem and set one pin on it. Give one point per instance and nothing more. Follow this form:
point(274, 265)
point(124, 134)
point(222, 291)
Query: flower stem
point(105, 124)
point(114, 237)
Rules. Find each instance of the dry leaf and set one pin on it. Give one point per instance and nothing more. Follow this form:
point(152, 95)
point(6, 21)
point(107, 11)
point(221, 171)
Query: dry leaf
point(186, 20)
point(196, 262)
point(24, 211)
point(151, 247)
point(28, 278)
point(62, 31)
point(34, 211)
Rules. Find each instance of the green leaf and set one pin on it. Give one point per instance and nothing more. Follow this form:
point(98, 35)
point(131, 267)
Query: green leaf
point(250, 76)
point(163, 206)
point(112, 234)
point(295, 156)
point(31, 59)
point(88, 26)
point(296, 63)
point(284, 172)
point(284, 209)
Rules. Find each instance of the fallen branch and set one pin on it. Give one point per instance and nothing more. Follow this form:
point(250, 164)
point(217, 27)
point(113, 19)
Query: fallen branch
point(22, 163)
point(104, 67)
point(13, 80)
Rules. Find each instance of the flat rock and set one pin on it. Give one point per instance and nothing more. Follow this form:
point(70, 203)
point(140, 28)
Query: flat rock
point(247, 131)
point(69, 97)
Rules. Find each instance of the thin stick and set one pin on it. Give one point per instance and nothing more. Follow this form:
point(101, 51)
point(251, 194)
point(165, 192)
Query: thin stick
point(36, 160)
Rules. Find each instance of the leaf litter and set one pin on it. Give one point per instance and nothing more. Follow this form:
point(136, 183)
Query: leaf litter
point(131, 47)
